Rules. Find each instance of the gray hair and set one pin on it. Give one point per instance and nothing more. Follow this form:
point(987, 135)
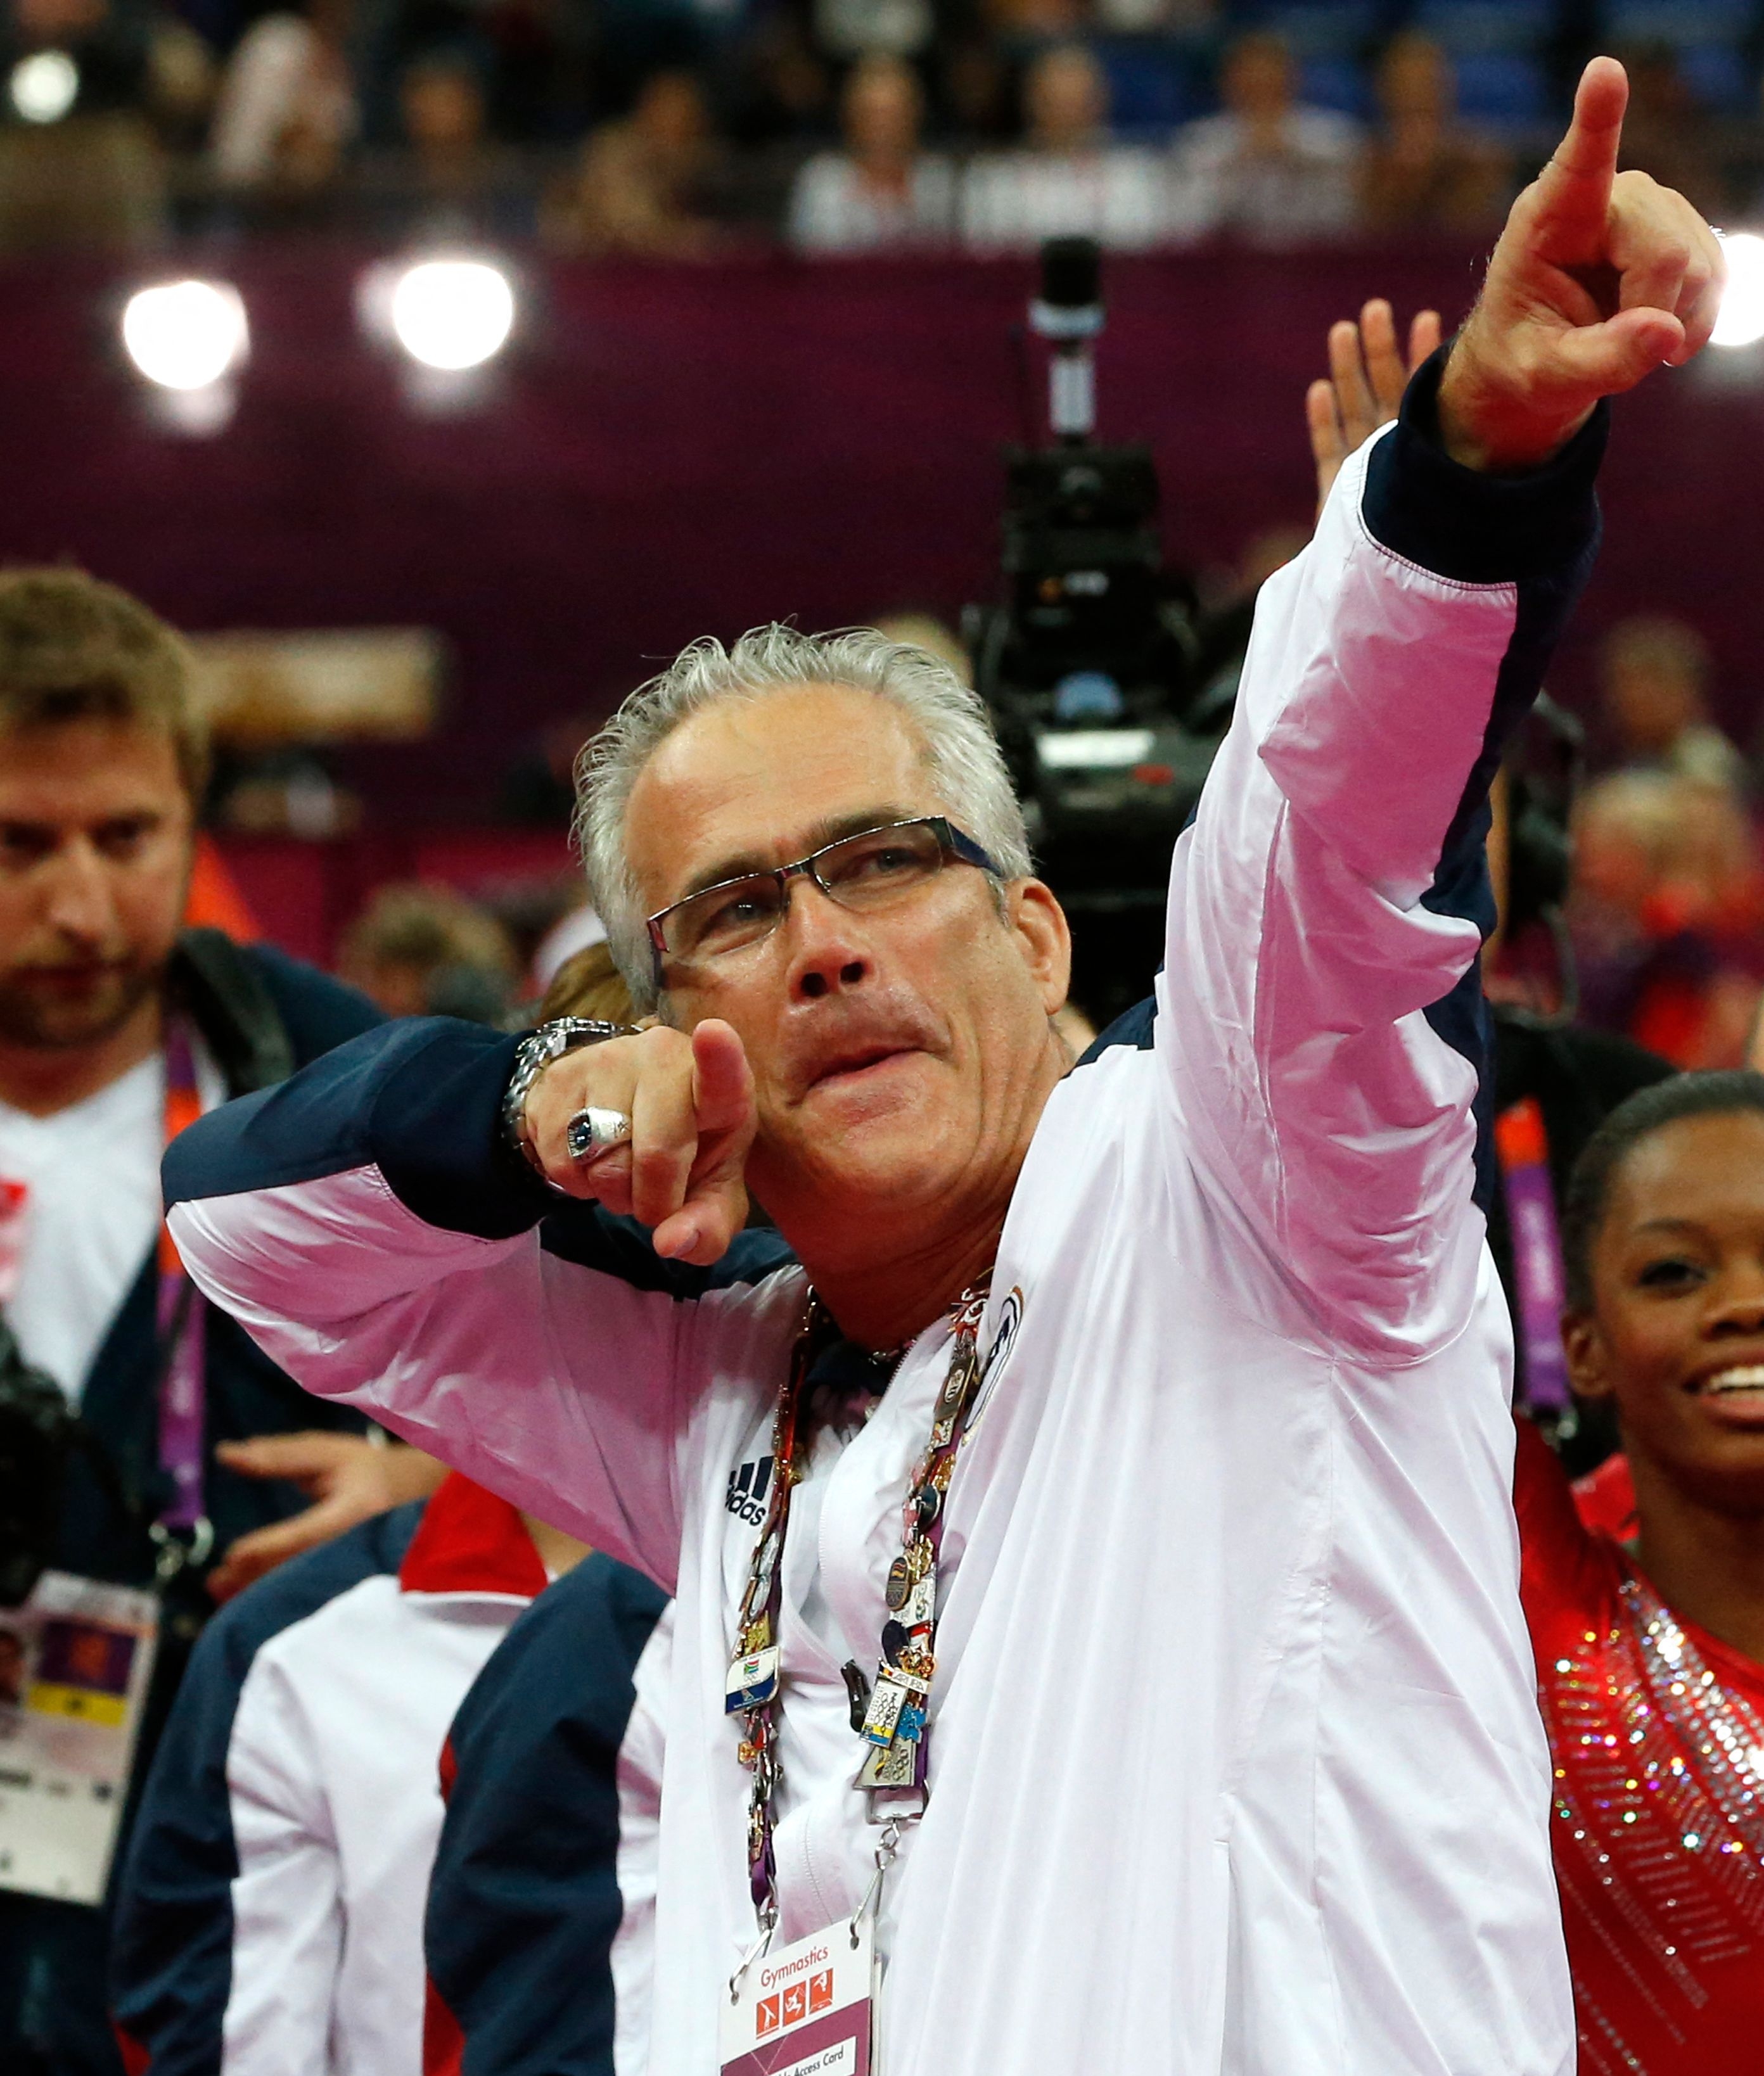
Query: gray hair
point(962, 753)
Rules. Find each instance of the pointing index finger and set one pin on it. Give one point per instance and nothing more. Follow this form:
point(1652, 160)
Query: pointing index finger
point(722, 1083)
point(1575, 188)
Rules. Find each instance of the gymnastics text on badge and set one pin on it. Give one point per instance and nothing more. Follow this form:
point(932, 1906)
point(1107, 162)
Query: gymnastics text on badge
point(805, 2011)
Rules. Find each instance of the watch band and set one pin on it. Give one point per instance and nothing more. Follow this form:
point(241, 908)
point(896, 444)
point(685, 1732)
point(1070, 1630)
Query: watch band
point(534, 1053)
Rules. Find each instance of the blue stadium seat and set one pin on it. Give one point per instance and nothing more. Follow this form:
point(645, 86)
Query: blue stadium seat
point(1151, 87)
point(1475, 28)
point(1337, 83)
point(1502, 90)
point(1683, 24)
point(1323, 28)
point(1720, 78)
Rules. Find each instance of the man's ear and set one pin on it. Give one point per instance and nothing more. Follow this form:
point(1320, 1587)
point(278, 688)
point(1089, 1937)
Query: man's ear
point(1583, 1345)
point(1044, 936)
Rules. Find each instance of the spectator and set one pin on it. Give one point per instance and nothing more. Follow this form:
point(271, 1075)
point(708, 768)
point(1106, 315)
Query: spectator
point(1423, 171)
point(643, 183)
point(1265, 168)
point(79, 164)
point(287, 108)
point(455, 180)
point(1654, 684)
point(114, 1026)
point(419, 950)
point(882, 190)
point(1068, 180)
point(270, 1915)
point(1666, 913)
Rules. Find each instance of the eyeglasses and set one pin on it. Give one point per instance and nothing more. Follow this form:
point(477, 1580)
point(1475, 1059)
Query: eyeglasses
point(873, 869)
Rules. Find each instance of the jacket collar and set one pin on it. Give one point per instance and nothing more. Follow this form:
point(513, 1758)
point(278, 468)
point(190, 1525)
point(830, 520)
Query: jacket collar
point(468, 1540)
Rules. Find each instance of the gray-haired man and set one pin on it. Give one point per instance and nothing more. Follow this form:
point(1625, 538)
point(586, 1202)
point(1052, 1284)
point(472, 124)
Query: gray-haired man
point(1141, 1668)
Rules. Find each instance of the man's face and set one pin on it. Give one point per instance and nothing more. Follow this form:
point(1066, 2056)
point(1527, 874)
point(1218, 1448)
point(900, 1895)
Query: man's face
point(900, 1057)
point(1676, 1330)
point(96, 833)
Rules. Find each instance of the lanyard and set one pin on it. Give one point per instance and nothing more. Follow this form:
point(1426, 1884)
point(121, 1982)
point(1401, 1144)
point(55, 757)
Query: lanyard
point(1522, 1146)
point(894, 1717)
point(180, 1318)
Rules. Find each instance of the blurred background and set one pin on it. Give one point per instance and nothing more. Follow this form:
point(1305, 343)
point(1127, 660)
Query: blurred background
point(443, 365)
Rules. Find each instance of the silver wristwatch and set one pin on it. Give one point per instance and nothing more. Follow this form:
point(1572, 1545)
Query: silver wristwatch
point(534, 1053)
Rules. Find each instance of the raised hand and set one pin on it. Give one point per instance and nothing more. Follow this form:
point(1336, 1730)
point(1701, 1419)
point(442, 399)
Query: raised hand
point(1599, 278)
point(690, 1103)
point(1364, 388)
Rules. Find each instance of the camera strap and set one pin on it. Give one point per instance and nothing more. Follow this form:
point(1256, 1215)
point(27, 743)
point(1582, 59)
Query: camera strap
point(182, 1322)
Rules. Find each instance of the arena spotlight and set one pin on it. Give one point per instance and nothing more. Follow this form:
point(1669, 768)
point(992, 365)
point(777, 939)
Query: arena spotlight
point(186, 335)
point(453, 314)
point(1742, 320)
point(42, 87)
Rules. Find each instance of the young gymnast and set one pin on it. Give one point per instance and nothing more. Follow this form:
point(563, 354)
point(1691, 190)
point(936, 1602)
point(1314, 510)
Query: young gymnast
point(1650, 1653)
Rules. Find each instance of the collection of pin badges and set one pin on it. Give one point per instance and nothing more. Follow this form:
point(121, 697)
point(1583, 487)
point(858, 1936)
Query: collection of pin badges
point(891, 1714)
point(893, 1722)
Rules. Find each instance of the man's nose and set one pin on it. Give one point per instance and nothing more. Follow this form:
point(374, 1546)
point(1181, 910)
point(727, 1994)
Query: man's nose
point(80, 902)
point(825, 949)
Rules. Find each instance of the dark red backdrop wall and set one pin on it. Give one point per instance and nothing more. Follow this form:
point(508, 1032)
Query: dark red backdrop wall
point(674, 452)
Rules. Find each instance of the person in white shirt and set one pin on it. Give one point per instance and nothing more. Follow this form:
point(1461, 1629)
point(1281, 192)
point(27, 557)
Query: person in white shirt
point(270, 1918)
point(115, 1024)
point(1096, 1574)
point(1068, 180)
point(1265, 168)
point(882, 191)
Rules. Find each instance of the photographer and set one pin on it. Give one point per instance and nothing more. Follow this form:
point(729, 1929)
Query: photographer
point(114, 1028)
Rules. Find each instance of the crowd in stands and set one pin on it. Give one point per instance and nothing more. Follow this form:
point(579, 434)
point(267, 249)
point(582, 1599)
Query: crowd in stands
point(674, 128)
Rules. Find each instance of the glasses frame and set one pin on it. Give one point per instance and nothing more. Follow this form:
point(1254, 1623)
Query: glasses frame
point(954, 844)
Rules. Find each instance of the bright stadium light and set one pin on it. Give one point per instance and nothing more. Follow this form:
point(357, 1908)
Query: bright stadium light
point(1742, 320)
point(44, 86)
point(186, 334)
point(453, 314)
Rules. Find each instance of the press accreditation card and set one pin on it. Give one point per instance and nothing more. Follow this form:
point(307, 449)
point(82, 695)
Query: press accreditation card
point(806, 2011)
point(74, 1664)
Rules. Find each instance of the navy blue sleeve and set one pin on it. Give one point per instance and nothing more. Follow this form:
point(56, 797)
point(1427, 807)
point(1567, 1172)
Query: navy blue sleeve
point(172, 1941)
point(317, 1012)
point(524, 1901)
point(421, 1099)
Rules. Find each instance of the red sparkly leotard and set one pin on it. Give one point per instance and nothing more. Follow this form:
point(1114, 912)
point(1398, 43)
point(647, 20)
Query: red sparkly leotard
point(1658, 1734)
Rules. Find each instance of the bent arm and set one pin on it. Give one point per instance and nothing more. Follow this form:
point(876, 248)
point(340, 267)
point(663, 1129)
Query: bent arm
point(364, 1223)
point(1320, 1012)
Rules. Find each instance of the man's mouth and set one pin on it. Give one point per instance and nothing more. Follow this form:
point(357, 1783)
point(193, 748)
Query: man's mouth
point(860, 1060)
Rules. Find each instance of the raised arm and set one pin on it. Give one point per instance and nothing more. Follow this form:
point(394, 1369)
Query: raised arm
point(367, 1226)
point(1320, 1010)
